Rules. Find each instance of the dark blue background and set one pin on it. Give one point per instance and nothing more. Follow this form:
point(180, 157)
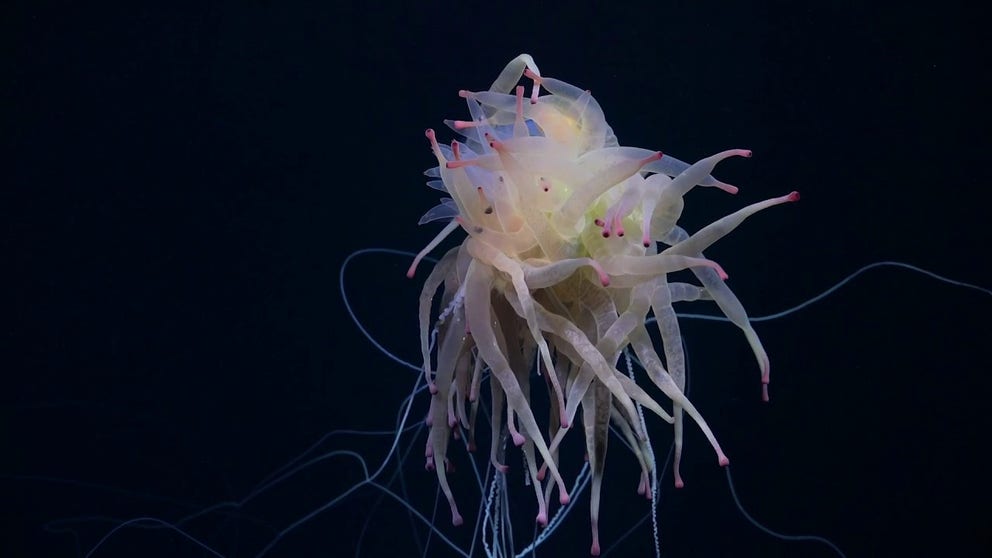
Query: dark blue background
point(182, 185)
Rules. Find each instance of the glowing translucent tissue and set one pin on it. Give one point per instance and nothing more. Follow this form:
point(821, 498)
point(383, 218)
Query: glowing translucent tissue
point(571, 238)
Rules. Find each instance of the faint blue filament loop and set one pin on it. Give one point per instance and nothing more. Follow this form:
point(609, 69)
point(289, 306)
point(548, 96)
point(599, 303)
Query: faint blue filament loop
point(310, 457)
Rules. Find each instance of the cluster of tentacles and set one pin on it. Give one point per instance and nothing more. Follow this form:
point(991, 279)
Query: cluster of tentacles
point(571, 240)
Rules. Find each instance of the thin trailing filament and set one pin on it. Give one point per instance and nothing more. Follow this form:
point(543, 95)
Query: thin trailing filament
point(570, 241)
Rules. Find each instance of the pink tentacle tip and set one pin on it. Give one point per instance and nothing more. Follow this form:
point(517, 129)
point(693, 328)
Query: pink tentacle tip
point(793, 196)
point(518, 439)
point(724, 461)
point(728, 188)
point(604, 279)
point(679, 483)
point(542, 518)
point(456, 519)
point(411, 272)
point(719, 271)
point(651, 158)
point(563, 499)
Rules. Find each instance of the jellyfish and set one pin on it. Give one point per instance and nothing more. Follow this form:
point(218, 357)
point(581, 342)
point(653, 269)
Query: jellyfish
point(571, 243)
